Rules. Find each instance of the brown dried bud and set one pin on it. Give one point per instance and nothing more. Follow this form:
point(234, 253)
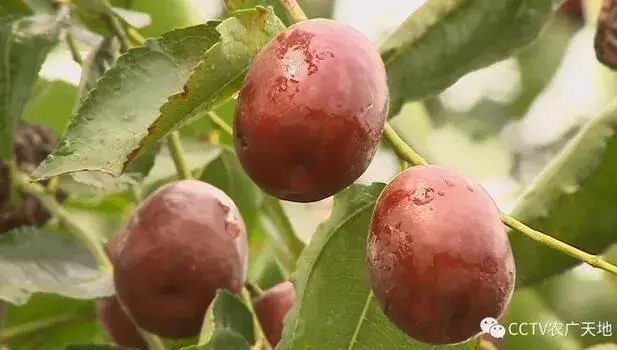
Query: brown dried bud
point(605, 42)
point(32, 143)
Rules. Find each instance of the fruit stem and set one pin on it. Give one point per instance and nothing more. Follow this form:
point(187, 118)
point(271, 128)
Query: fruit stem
point(401, 148)
point(14, 197)
point(134, 35)
point(260, 340)
point(294, 10)
point(52, 206)
point(556, 244)
point(220, 123)
point(274, 211)
point(177, 154)
point(253, 289)
point(70, 42)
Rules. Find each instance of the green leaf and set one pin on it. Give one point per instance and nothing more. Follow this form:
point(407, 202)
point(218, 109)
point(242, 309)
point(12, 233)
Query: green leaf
point(24, 43)
point(526, 307)
point(96, 63)
point(229, 321)
point(445, 39)
point(224, 339)
point(573, 200)
point(51, 104)
point(49, 321)
point(226, 173)
point(219, 75)
point(105, 133)
point(332, 272)
point(134, 174)
point(33, 260)
point(92, 347)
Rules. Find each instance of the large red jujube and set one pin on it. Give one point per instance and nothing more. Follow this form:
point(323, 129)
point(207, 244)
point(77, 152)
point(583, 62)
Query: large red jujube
point(311, 111)
point(439, 257)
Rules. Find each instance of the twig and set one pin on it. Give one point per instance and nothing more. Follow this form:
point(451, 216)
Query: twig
point(70, 41)
point(218, 121)
point(177, 154)
point(49, 202)
point(294, 10)
point(401, 148)
point(556, 244)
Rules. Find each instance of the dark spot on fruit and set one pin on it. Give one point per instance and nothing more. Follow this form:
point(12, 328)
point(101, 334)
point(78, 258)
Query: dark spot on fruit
point(423, 194)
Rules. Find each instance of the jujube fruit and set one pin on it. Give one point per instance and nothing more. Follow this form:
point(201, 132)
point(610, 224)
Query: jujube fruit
point(271, 309)
point(183, 242)
point(109, 311)
point(118, 326)
point(311, 111)
point(439, 257)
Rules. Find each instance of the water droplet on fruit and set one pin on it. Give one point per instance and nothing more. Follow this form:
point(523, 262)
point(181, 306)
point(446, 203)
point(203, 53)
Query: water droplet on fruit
point(470, 188)
point(423, 194)
point(231, 222)
point(449, 182)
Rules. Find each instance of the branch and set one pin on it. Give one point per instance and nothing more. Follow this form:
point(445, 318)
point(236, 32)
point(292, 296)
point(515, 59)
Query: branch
point(294, 10)
point(48, 201)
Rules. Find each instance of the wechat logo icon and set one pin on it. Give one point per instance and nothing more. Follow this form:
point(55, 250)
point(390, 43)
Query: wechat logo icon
point(489, 325)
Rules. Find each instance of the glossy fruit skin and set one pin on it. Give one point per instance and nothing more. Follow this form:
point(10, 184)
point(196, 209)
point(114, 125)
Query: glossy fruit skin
point(117, 324)
point(438, 255)
point(311, 111)
point(185, 241)
point(109, 311)
point(271, 309)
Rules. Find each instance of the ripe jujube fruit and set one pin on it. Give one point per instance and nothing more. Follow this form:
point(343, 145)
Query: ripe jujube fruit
point(311, 111)
point(185, 241)
point(271, 309)
point(118, 325)
point(112, 317)
point(439, 257)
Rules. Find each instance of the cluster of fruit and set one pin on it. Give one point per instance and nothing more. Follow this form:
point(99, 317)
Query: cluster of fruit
point(309, 118)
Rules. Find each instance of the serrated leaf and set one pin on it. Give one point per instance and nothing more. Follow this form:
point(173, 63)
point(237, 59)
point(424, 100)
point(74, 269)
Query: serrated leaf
point(445, 39)
point(24, 44)
point(332, 271)
point(573, 200)
point(33, 261)
point(105, 132)
point(97, 181)
point(219, 75)
point(230, 321)
point(226, 173)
